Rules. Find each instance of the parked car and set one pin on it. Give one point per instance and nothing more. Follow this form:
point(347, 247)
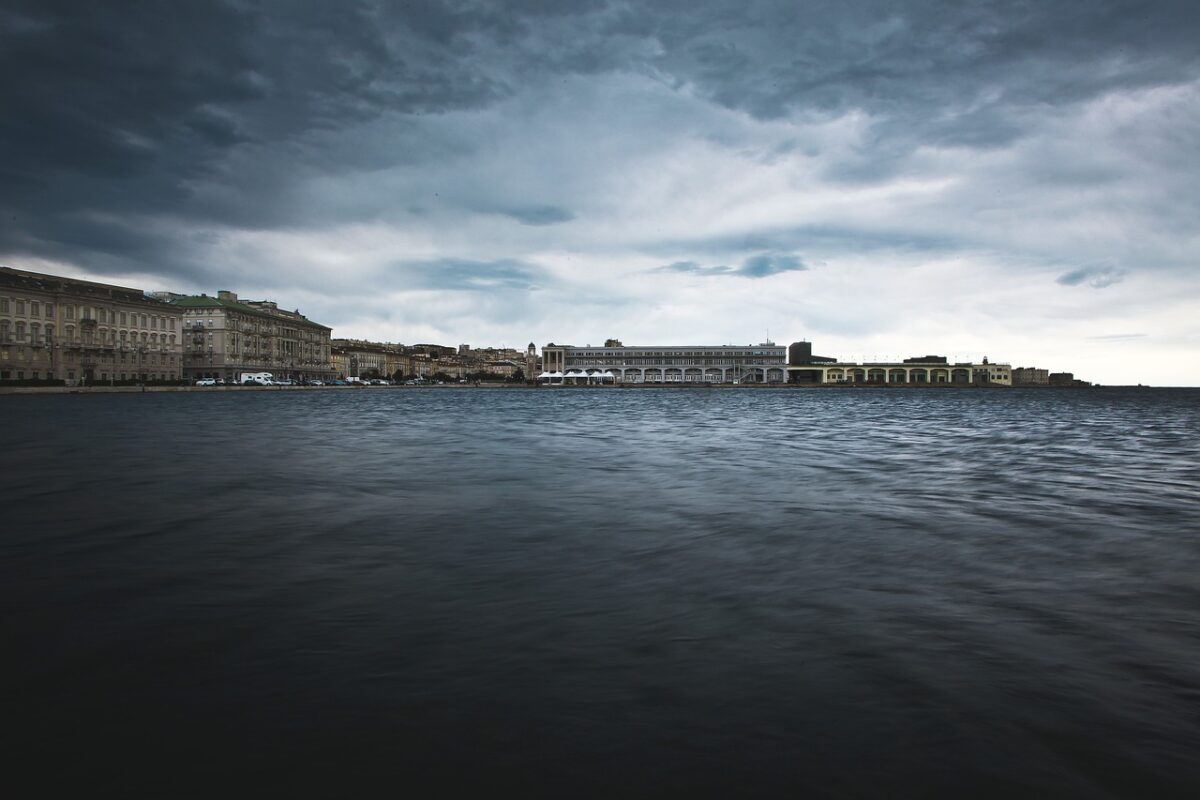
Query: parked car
point(316, 383)
point(206, 382)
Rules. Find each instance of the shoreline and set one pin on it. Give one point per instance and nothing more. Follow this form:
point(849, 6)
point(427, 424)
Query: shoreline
point(88, 390)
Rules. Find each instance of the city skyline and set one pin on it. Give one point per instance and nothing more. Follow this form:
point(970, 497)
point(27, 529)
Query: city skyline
point(1015, 182)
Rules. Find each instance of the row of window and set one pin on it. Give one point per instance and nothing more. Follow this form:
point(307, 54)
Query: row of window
point(575, 361)
point(632, 353)
point(20, 375)
point(261, 328)
point(36, 309)
point(36, 335)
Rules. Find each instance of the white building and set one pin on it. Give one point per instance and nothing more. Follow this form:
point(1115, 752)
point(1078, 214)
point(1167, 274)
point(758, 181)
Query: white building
point(762, 363)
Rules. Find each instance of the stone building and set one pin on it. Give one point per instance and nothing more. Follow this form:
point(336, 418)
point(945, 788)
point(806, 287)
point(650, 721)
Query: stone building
point(763, 363)
point(1030, 376)
point(83, 332)
point(224, 337)
point(919, 370)
point(354, 358)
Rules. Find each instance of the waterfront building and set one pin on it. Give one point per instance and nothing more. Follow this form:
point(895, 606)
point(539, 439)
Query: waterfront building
point(225, 336)
point(762, 363)
point(84, 332)
point(1065, 379)
point(804, 368)
point(1030, 376)
point(765, 363)
point(355, 358)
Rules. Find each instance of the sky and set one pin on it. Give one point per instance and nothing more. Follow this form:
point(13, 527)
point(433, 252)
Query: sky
point(1017, 180)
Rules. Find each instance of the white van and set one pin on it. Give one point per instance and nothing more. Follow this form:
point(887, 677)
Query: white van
point(257, 379)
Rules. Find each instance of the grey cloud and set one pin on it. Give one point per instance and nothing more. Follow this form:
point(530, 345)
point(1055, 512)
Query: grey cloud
point(454, 274)
point(1096, 277)
point(757, 266)
point(692, 268)
point(540, 215)
point(761, 266)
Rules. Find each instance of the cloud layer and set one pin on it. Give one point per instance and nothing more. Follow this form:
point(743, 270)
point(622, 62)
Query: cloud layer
point(880, 178)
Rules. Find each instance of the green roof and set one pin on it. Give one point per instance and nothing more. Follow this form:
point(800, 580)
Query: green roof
point(204, 301)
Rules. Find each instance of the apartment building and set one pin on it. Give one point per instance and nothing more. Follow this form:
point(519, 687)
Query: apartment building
point(84, 332)
point(225, 336)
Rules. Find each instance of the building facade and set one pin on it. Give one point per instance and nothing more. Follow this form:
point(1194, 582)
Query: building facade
point(804, 368)
point(766, 363)
point(763, 363)
point(1030, 376)
point(224, 337)
point(356, 358)
point(84, 333)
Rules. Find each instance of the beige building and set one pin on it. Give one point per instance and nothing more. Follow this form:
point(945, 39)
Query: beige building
point(225, 336)
point(354, 358)
point(82, 332)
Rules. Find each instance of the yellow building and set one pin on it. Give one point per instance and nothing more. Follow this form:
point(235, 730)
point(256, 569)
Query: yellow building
point(83, 332)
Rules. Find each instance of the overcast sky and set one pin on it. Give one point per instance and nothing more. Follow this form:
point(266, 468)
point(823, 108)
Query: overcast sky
point(885, 179)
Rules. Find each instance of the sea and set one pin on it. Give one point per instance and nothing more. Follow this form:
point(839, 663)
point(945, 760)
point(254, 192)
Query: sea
point(451, 591)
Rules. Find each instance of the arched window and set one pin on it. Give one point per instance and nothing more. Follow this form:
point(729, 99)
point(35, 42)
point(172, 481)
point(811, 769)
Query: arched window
point(49, 334)
point(4, 330)
point(35, 333)
point(20, 331)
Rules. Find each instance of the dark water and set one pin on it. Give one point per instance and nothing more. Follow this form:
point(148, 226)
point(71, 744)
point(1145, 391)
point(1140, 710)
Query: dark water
point(620, 593)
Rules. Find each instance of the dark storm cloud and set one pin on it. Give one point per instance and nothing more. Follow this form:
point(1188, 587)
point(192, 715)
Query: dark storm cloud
point(757, 266)
point(216, 114)
point(1096, 277)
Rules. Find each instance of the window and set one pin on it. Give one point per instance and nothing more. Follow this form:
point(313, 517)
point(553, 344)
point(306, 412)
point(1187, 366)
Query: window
point(35, 308)
point(70, 312)
point(49, 310)
point(144, 325)
point(3, 305)
point(49, 334)
point(123, 322)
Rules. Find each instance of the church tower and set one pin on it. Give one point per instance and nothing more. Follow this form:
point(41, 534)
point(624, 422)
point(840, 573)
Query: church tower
point(531, 371)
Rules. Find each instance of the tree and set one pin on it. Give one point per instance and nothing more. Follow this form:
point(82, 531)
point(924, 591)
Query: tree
point(518, 375)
